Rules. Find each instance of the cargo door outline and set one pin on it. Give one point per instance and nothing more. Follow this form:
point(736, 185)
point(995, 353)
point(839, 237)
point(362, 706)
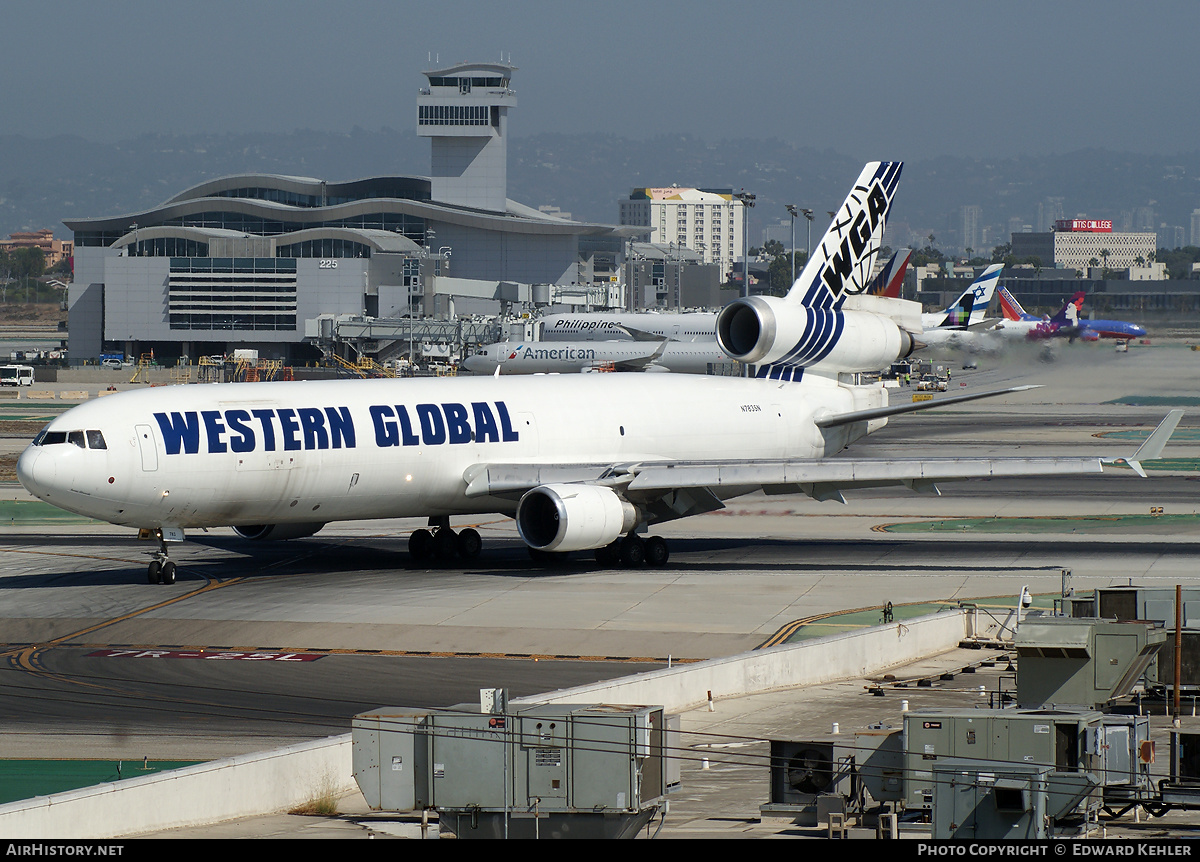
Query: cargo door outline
point(148, 446)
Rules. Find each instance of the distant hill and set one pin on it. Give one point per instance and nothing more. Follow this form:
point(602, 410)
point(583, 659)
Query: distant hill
point(43, 181)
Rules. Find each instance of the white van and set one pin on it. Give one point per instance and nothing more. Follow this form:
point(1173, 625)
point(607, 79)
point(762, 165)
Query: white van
point(113, 363)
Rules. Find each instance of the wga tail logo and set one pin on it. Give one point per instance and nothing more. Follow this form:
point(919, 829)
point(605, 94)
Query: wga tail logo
point(859, 226)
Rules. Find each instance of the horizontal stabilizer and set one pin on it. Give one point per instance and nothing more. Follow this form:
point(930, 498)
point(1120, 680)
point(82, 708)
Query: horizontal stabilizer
point(896, 409)
point(1153, 447)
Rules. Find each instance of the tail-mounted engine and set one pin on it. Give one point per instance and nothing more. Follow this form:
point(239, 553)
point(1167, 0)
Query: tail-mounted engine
point(767, 330)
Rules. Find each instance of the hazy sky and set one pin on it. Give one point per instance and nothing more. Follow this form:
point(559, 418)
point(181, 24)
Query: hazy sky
point(900, 80)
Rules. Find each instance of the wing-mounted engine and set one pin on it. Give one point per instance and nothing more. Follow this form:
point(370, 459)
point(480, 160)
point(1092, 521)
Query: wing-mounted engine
point(768, 330)
point(277, 532)
point(569, 517)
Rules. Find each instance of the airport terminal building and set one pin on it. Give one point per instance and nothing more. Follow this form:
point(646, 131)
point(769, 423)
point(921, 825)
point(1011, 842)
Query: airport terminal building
point(246, 260)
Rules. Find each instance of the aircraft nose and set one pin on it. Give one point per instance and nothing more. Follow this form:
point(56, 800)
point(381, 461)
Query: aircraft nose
point(34, 471)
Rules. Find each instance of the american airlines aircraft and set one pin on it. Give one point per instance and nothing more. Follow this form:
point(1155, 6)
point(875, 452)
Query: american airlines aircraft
point(582, 462)
point(540, 357)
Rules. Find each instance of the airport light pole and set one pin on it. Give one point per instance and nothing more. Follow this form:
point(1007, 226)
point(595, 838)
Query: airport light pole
point(747, 200)
point(808, 214)
point(791, 208)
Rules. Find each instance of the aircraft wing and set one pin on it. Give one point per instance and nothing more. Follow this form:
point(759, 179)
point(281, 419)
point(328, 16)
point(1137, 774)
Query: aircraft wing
point(639, 363)
point(639, 334)
point(690, 487)
point(669, 490)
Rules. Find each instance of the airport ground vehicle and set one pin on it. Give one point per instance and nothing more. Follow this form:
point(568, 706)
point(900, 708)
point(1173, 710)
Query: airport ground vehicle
point(16, 375)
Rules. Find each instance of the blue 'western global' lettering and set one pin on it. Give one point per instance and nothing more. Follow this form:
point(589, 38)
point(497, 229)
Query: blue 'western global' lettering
point(314, 428)
point(435, 424)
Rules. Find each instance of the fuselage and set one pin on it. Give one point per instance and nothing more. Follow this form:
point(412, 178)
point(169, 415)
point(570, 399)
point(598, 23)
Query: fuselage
point(1119, 329)
point(537, 357)
point(314, 452)
point(610, 326)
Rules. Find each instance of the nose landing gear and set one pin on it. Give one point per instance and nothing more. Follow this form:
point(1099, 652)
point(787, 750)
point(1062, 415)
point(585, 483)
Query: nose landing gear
point(161, 569)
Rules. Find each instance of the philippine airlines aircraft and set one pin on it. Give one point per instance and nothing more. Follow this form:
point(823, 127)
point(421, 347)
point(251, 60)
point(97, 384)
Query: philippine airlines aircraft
point(582, 462)
point(891, 278)
point(959, 326)
point(1067, 322)
point(540, 357)
point(631, 326)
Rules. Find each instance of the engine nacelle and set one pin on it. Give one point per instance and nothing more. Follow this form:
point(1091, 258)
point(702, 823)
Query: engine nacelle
point(573, 517)
point(767, 330)
point(277, 532)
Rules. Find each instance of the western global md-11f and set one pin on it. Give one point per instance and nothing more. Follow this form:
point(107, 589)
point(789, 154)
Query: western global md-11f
point(581, 462)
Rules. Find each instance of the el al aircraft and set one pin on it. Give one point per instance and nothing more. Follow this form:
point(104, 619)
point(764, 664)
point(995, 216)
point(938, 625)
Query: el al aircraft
point(960, 325)
point(584, 462)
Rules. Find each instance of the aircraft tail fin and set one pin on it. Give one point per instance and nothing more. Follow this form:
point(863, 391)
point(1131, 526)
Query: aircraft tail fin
point(1011, 309)
point(969, 308)
point(1069, 313)
point(891, 278)
point(841, 262)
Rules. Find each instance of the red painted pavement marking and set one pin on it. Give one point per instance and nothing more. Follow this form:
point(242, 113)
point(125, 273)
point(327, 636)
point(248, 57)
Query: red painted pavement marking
point(219, 656)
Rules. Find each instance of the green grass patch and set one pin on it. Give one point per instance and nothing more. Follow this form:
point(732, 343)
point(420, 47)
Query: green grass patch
point(1157, 400)
point(1142, 434)
point(1097, 523)
point(844, 623)
point(24, 779)
point(32, 513)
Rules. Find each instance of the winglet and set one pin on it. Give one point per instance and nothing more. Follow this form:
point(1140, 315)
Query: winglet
point(1153, 447)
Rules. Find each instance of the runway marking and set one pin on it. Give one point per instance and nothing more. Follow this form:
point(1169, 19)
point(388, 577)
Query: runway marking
point(18, 649)
point(1044, 524)
point(26, 656)
point(202, 654)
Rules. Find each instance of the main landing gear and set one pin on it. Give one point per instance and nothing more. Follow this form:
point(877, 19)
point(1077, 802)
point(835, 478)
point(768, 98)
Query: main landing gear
point(633, 551)
point(443, 544)
point(161, 569)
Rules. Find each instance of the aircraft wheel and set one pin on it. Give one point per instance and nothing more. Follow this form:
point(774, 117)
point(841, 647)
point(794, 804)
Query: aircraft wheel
point(167, 575)
point(469, 544)
point(633, 551)
point(420, 544)
point(152, 572)
point(610, 554)
point(657, 551)
point(445, 544)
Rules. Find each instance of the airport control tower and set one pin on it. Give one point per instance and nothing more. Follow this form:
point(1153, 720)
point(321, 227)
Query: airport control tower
point(464, 112)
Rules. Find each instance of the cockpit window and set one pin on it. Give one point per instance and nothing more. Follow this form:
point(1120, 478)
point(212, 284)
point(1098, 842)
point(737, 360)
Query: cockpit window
point(53, 437)
point(37, 441)
point(76, 438)
point(95, 440)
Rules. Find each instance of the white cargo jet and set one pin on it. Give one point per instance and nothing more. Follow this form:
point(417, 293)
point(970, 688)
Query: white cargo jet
point(541, 357)
point(582, 462)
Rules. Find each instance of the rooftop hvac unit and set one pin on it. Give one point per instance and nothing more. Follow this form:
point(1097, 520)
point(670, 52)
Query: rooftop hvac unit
point(1162, 672)
point(1085, 663)
point(586, 771)
point(805, 773)
point(983, 801)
